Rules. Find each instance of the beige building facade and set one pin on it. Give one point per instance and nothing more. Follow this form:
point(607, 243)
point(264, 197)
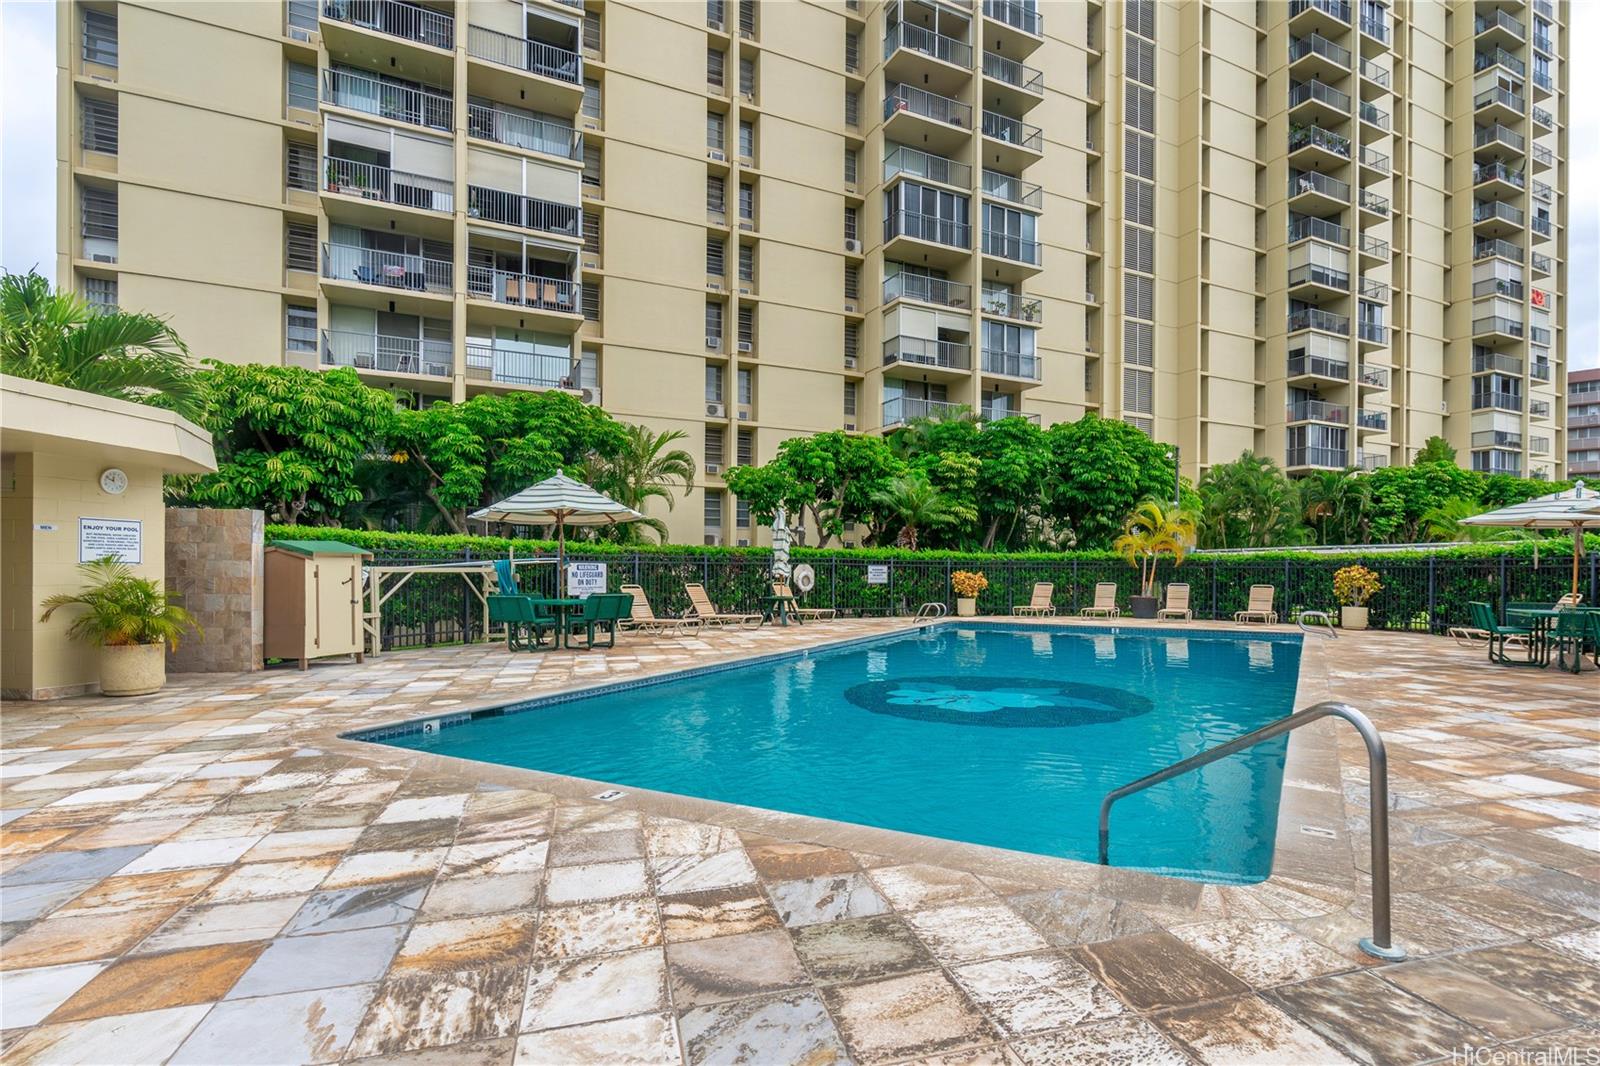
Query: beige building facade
point(1319, 230)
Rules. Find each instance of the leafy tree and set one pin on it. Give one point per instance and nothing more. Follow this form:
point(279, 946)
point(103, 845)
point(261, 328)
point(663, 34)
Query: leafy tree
point(1150, 532)
point(1435, 450)
point(288, 440)
point(1334, 503)
point(1015, 464)
point(1100, 469)
point(645, 468)
point(1503, 490)
point(956, 475)
point(1444, 522)
point(1402, 495)
point(831, 476)
point(56, 337)
point(913, 504)
point(1248, 503)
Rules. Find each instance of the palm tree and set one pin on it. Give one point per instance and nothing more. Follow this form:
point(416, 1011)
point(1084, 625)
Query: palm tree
point(1444, 523)
point(1334, 503)
point(647, 467)
point(56, 337)
point(1248, 503)
point(913, 502)
point(1150, 532)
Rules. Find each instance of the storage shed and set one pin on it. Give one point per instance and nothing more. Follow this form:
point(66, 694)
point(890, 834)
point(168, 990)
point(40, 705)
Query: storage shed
point(313, 600)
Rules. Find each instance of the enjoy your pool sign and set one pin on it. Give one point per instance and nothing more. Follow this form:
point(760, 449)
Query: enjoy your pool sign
point(585, 579)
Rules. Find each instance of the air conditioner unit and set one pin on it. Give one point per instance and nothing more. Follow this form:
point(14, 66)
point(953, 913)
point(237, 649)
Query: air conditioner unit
point(713, 540)
point(714, 25)
point(849, 362)
point(746, 346)
point(716, 410)
point(749, 227)
point(852, 246)
point(713, 468)
point(850, 427)
point(1089, 296)
point(591, 264)
point(744, 414)
point(715, 154)
point(717, 285)
point(101, 257)
point(744, 291)
point(744, 542)
point(713, 342)
point(591, 125)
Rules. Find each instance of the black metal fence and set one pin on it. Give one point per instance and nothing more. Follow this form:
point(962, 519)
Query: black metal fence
point(1424, 594)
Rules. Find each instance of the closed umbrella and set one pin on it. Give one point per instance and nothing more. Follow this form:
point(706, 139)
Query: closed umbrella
point(560, 501)
point(1575, 510)
point(780, 544)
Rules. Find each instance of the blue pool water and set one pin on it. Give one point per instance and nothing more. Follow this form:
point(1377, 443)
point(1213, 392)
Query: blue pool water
point(997, 734)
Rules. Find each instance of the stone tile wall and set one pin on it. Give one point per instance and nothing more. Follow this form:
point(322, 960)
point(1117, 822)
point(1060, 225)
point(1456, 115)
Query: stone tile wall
point(214, 565)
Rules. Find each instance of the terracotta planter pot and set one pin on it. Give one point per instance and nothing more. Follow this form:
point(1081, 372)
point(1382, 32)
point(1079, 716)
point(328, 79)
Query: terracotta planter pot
point(1352, 617)
point(966, 606)
point(132, 669)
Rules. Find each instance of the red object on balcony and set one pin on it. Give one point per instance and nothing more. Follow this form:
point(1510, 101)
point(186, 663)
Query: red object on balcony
point(1539, 298)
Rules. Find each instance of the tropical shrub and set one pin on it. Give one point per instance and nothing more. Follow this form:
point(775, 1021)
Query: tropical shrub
point(968, 584)
point(121, 609)
point(1355, 585)
point(1149, 533)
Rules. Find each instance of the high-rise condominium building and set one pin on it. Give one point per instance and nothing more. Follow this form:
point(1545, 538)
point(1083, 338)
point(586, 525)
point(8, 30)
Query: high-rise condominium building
point(1583, 425)
point(1318, 230)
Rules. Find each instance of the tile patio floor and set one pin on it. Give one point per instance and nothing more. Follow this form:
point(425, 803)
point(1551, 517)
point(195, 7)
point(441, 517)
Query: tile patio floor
point(209, 875)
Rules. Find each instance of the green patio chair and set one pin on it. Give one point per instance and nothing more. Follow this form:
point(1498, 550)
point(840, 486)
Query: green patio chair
point(614, 608)
point(584, 620)
point(525, 620)
point(1571, 631)
point(1483, 618)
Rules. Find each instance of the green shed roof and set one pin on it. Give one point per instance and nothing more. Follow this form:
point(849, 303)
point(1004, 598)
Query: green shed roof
point(318, 547)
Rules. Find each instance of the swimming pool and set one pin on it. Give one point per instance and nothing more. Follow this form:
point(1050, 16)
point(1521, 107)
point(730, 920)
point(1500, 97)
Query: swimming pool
point(992, 733)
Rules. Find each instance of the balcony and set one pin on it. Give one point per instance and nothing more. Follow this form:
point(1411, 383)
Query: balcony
point(910, 161)
point(1374, 164)
point(1499, 57)
point(1373, 204)
point(371, 95)
point(1498, 28)
point(1315, 146)
point(1373, 251)
point(1311, 191)
point(1319, 458)
point(1496, 326)
point(1312, 276)
point(1541, 370)
point(1498, 136)
point(387, 270)
point(903, 409)
point(506, 366)
point(920, 287)
point(1318, 319)
point(916, 115)
point(1011, 143)
point(1312, 101)
point(395, 18)
point(1320, 367)
point(907, 47)
point(555, 295)
point(1318, 411)
point(1542, 192)
point(1372, 462)
point(1013, 190)
point(1543, 117)
point(1023, 365)
point(490, 123)
point(1374, 116)
point(1372, 334)
point(1543, 84)
point(1498, 104)
point(1013, 305)
point(1498, 173)
point(367, 181)
point(1494, 218)
point(1372, 421)
point(526, 212)
point(1540, 409)
point(1373, 289)
point(1333, 15)
point(1302, 228)
point(1496, 438)
point(383, 354)
point(1489, 248)
point(1375, 27)
point(1315, 55)
point(1497, 462)
point(1012, 249)
point(1497, 287)
point(946, 242)
point(1017, 15)
point(1543, 158)
point(1372, 376)
point(1541, 264)
point(1373, 73)
point(1018, 76)
point(994, 412)
point(1539, 335)
point(535, 57)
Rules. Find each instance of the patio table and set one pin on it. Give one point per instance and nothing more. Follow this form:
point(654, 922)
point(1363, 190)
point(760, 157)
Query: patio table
point(562, 608)
point(779, 606)
point(1541, 620)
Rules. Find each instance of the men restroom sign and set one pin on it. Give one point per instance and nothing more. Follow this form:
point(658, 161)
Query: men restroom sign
point(120, 538)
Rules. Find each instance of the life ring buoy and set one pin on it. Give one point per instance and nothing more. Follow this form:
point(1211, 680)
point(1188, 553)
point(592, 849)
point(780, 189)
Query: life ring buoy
point(804, 578)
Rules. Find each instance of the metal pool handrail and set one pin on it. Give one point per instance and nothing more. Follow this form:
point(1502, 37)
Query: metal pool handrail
point(1379, 945)
point(1320, 616)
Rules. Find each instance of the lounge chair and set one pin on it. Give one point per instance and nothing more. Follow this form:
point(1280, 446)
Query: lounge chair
point(645, 620)
point(1259, 608)
point(1571, 599)
point(780, 587)
point(1177, 604)
point(707, 611)
point(1501, 635)
point(1105, 602)
point(1039, 606)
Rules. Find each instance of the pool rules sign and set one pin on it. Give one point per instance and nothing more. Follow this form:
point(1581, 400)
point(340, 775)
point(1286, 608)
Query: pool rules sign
point(585, 579)
point(120, 538)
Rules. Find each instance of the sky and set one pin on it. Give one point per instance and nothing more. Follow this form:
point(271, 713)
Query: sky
point(27, 159)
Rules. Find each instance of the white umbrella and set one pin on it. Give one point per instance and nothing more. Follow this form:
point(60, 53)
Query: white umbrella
point(780, 544)
point(560, 501)
point(1576, 510)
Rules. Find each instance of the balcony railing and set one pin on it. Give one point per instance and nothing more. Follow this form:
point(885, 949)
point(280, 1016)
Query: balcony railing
point(1496, 400)
point(1013, 131)
point(536, 57)
point(994, 413)
point(1306, 91)
point(1013, 73)
point(927, 352)
point(1510, 327)
point(1543, 155)
point(1009, 246)
point(1373, 115)
point(1378, 420)
point(1541, 409)
point(1539, 335)
point(1320, 366)
point(386, 354)
point(1011, 364)
point(520, 131)
point(1328, 458)
point(1499, 57)
point(390, 270)
point(902, 409)
point(1374, 376)
point(528, 212)
point(1373, 462)
point(1542, 192)
point(1013, 305)
point(900, 97)
point(927, 228)
point(1018, 15)
point(1501, 21)
point(945, 293)
point(1372, 331)
point(1498, 134)
point(1496, 171)
point(491, 362)
point(1317, 137)
point(1374, 160)
point(1503, 97)
point(1013, 190)
point(921, 164)
point(1374, 73)
point(1375, 27)
point(1495, 211)
point(525, 290)
point(1308, 181)
point(411, 22)
point(1544, 81)
point(1373, 289)
point(1338, 9)
point(373, 96)
point(1315, 274)
point(1316, 318)
point(1318, 411)
point(371, 182)
point(1302, 227)
point(1494, 248)
point(1540, 371)
point(1375, 247)
point(1371, 201)
point(1316, 44)
point(1497, 462)
point(936, 45)
point(1497, 287)
point(1541, 263)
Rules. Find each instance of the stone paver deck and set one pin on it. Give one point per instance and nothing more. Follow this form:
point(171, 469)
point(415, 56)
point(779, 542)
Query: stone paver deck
point(210, 875)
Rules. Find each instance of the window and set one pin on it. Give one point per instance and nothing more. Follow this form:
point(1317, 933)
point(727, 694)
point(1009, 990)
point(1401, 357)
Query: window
point(716, 195)
point(591, 31)
point(99, 37)
point(1138, 249)
point(1138, 296)
point(1139, 201)
point(1137, 388)
point(300, 166)
point(1139, 343)
point(302, 18)
point(714, 320)
point(591, 98)
point(99, 213)
point(1141, 61)
point(715, 263)
point(852, 51)
point(300, 86)
point(852, 282)
point(1141, 18)
point(100, 293)
point(1139, 151)
point(852, 339)
point(928, 213)
point(713, 511)
point(849, 399)
point(852, 108)
point(713, 384)
point(747, 201)
point(591, 232)
point(852, 223)
point(100, 125)
point(852, 160)
point(300, 246)
point(747, 388)
point(747, 449)
point(715, 14)
point(591, 165)
point(747, 78)
point(716, 131)
point(747, 140)
point(747, 325)
point(741, 513)
point(716, 58)
point(591, 302)
point(747, 263)
point(714, 446)
point(1139, 107)
point(299, 329)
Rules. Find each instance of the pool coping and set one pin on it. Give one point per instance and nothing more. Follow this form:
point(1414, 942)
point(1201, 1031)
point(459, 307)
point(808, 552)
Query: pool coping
point(1312, 847)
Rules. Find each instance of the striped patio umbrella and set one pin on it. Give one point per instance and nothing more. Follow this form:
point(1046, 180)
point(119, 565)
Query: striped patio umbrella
point(560, 501)
point(1575, 510)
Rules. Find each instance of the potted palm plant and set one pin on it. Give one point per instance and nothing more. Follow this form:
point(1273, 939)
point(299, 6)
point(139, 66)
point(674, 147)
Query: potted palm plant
point(131, 619)
point(967, 585)
point(1354, 586)
point(1150, 532)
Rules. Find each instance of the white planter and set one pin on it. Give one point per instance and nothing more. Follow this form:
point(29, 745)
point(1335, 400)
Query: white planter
point(1353, 617)
point(966, 606)
point(132, 669)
